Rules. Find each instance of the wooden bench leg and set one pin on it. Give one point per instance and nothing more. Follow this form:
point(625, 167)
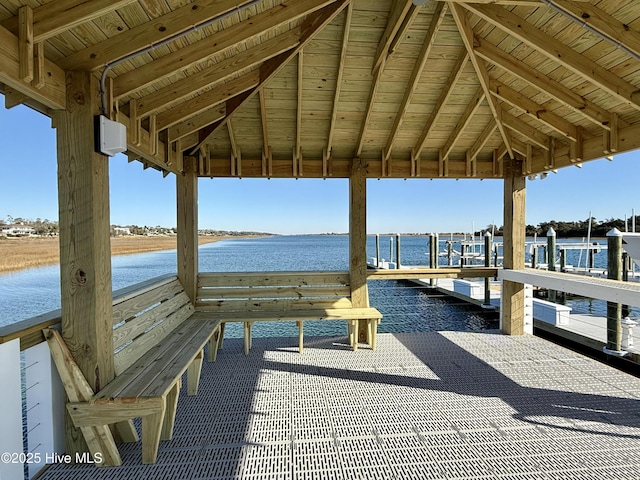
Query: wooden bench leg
point(193, 374)
point(247, 337)
point(300, 324)
point(221, 337)
point(127, 431)
point(151, 431)
point(214, 345)
point(373, 332)
point(170, 413)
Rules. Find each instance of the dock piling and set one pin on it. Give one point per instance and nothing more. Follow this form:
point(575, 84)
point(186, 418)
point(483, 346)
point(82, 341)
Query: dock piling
point(614, 310)
point(433, 254)
point(487, 263)
point(377, 250)
point(397, 250)
point(551, 258)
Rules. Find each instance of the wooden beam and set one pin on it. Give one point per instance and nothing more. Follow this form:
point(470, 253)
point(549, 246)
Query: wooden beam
point(145, 34)
point(51, 95)
point(311, 26)
point(336, 96)
point(194, 124)
point(466, 33)
point(25, 43)
point(222, 40)
point(468, 114)
point(219, 72)
point(375, 84)
point(399, 11)
point(565, 56)
point(603, 22)
point(263, 122)
point(589, 110)
point(187, 226)
point(408, 20)
point(85, 252)
point(144, 149)
point(514, 245)
point(533, 109)
point(482, 140)
point(524, 129)
point(445, 94)
point(297, 153)
point(414, 80)
point(207, 100)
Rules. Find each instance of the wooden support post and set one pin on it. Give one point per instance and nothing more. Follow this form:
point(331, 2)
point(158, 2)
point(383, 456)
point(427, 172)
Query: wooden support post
point(487, 263)
point(450, 253)
point(358, 243)
point(614, 310)
point(563, 260)
point(433, 254)
point(85, 252)
point(463, 251)
point(187, 210)
point(377, 250)
point(512, 317)
point(25, 43)
point(397, 250)
point(551, 258)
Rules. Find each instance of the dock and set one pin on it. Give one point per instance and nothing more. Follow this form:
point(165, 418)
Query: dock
point(445, 405)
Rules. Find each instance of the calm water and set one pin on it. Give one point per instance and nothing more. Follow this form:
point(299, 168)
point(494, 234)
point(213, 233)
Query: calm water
point(35, 291)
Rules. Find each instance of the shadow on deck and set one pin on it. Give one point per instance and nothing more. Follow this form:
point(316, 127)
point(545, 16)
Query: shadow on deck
point(425, 405)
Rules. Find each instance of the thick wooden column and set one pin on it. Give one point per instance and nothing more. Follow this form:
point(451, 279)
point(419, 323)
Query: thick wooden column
point(85, 252)
point(187, 211)
point(514, 243)
point(358, 241)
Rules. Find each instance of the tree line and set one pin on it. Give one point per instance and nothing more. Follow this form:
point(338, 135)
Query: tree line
point(578, 228)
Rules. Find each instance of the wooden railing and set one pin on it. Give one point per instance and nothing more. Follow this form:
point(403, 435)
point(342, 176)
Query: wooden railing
point(447, 272)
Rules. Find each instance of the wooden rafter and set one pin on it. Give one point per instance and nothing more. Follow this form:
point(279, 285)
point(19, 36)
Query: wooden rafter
point(148, 33)
point(591, 111)
point(311, 26)
point(414, 10)
point(336, 96)
point(219, 72)
point(207, 100)
point(565, 56)
point(399, 11)
point(263, 121)
point(297, 153)
point(375, 84)
point(466, 33)
point(533, 109)
point(469, 112)
point(190, 55)
point(446, 93)
point(193, 124)
point(482, 140)
point(58, 16)
point(604, 23)
point(523, 128)
point(434, 27)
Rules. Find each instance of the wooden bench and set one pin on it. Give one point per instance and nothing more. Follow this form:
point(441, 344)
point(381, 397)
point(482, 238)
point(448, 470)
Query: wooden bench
point(283, 296)
point(157, 337)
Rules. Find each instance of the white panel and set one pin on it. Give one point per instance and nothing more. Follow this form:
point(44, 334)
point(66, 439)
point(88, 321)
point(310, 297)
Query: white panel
point(11, 418)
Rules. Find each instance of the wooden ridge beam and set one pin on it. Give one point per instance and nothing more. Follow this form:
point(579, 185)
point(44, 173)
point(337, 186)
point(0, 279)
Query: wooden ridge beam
point(207, 99)
point(148, 33)
point(562, 54)
point(348, 15)
point(446, 93)
point(52, 94)
point(58, 16)
point(533, 109)
point(466, 33)
point(399, 11)
point(468, 114)
point(219, 72)
point(589, 110)
point(311, 26)
point(414, 80)
point(190, 55)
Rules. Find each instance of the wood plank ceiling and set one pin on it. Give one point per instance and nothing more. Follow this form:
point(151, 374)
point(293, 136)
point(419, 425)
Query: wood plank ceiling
point(300, 88)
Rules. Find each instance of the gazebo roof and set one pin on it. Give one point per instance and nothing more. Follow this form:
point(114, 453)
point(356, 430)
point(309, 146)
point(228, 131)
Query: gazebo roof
point(300, 88)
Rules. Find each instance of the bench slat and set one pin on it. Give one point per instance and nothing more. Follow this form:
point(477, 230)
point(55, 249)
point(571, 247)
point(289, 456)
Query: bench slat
point(307, 314)
point(274, 292)
point(271, 305)
point(129, 308)
point(253, 279)
point(138, 325)
point(130, 353)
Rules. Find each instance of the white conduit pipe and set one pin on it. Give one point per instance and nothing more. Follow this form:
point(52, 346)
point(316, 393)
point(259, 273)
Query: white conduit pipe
point(584, 24)
point(153, 46)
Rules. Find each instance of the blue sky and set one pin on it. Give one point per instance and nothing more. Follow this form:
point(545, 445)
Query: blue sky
point(143, 197)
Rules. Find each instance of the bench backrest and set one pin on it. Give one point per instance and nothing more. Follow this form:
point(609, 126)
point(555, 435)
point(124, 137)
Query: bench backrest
point(238, 292)
point(144, 317)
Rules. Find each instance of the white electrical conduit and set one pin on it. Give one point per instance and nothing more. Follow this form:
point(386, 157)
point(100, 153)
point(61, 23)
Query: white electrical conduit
point(584, 24)
point(153, 46)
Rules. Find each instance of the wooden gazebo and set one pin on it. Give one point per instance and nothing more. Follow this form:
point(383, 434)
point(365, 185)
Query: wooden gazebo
point(351, 89)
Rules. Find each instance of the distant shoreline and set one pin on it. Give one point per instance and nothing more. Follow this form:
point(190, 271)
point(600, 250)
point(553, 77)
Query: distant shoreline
point(22, 253)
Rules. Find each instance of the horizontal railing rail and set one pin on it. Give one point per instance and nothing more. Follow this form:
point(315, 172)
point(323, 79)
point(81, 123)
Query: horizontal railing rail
point(419, 273)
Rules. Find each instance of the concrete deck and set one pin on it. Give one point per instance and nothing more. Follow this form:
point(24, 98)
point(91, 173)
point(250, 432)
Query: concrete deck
point(448, 405)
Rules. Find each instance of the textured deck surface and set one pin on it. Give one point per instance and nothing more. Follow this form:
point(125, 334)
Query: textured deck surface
point(446, 405)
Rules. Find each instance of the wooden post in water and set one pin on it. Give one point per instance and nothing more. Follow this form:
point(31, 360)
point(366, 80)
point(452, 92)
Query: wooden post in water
point(563, 260)
point(358, 242)
point(391, 249)
point(534, 256)
point(187, 226)
point(377, 250)
point(592, 256)
point(551, 258)
point(626, 266)
point(463, 249)
point(614, 310)
point(433, 254)
point(85, 252)
point(397, 250)
point(487, 263)
point(450, 253)
point(512, 315)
